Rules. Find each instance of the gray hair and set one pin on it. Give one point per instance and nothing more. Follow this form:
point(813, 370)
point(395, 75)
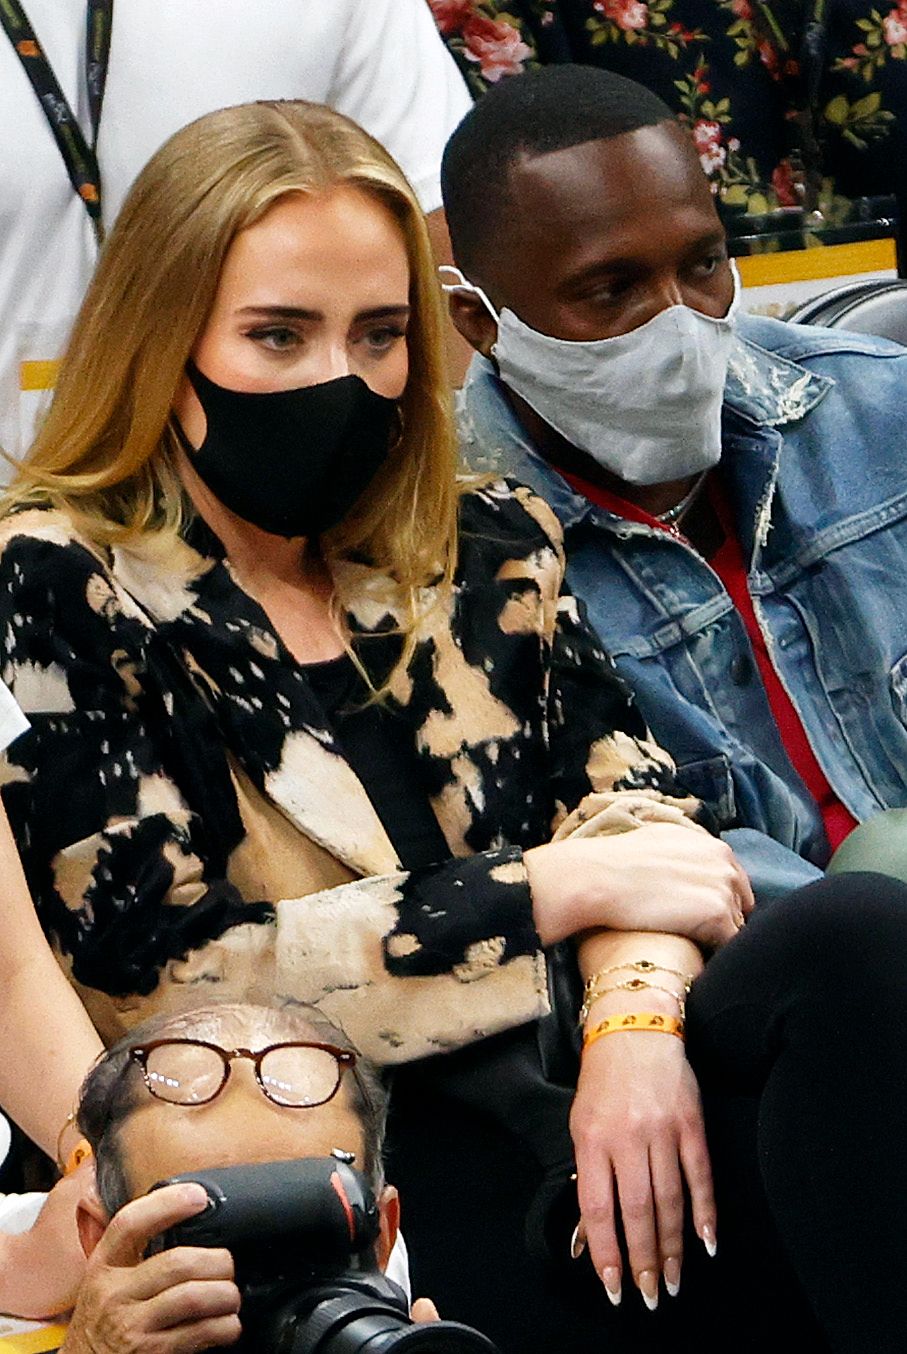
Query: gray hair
point(112, 1091)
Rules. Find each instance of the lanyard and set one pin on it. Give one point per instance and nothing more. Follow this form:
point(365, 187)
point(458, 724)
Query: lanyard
point(79, 156)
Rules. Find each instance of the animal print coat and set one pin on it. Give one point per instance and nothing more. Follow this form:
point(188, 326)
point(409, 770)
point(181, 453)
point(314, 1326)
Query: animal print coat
point(188, 822)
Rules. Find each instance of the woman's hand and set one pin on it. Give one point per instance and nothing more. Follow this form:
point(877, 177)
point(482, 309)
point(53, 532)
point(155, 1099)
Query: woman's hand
point(638, 1134)
point(657, 877)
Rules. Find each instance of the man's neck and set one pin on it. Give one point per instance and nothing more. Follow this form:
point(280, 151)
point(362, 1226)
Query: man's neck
point(554, 448)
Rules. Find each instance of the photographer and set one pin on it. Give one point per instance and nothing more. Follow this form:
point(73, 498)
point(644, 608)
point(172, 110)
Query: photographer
point(185, 1299)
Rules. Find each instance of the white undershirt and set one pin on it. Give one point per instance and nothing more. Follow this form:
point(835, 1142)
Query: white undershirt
point(381, 62)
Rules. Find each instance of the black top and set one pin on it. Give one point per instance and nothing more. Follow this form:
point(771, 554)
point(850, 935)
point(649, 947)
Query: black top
point(379, 748)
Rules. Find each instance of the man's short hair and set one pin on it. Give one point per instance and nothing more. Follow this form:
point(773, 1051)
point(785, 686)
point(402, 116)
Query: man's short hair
point(114, 1087)
point(533, 114)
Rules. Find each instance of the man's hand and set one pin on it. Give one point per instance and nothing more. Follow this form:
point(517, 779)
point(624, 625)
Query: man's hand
point(178, 1302)
point(424, 1311)
point(638, 1133)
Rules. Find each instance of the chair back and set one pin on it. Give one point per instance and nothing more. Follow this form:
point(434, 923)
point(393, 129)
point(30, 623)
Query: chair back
point(878, 308)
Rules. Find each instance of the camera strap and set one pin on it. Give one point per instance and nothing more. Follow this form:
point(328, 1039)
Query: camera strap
point(79, 156)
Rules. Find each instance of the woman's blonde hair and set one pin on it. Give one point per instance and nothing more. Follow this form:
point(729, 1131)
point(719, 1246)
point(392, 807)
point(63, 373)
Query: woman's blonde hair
point(105, 453)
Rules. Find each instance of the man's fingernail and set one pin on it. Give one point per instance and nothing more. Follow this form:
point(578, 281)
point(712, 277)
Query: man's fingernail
point(648, 1286)
point(611, 1280)
point(195, 1194)
point(709, 1240)
point(577, 1243)
point(672, 1275)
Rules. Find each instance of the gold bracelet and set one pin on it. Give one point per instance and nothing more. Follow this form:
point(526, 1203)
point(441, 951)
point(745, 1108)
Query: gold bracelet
point(635, 966)
point(642, 966)
point(636, 1022)
point(593, 992)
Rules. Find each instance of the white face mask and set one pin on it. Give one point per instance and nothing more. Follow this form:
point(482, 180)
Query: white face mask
point(645, 405)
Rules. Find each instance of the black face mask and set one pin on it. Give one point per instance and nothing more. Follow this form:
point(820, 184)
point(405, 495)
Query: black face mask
point(292, 462)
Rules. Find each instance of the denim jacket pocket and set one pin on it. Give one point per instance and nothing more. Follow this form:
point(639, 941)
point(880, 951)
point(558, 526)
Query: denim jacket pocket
point(710, 780)
point(897, 682)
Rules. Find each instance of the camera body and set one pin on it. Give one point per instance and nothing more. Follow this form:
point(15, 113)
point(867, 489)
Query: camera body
point(302, 1235)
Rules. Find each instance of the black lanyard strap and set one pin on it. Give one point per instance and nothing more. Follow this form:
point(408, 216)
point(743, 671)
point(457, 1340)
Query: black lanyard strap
point(79, 156)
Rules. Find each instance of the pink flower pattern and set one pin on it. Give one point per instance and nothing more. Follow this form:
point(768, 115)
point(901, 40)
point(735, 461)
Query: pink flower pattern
point(493, 43)
point(707, 138)
point(735, 125)
point(451, 15)
point(894, 26)
point(496, 46)
point(627, 14)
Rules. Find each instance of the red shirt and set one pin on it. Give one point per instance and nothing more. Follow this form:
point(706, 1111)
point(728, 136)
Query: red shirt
point(730, 566)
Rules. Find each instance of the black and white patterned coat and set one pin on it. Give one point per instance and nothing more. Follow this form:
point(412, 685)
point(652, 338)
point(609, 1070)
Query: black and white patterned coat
point(187, 820)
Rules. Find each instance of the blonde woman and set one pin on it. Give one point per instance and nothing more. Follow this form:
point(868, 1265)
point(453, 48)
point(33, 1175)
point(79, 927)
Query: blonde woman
point(305, 712)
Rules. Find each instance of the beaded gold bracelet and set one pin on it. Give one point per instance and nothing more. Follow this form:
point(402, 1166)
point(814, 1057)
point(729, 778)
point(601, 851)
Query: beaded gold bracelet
point(635, 1022)
point(593, 989)
point(592, 995)
point(642, 966)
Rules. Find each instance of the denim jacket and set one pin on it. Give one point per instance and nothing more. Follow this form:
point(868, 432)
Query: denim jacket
point(815, 465)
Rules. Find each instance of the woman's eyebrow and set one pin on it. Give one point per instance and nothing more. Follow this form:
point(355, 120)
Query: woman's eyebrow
point(281, 312)
point(300, 313)
point(384, 313)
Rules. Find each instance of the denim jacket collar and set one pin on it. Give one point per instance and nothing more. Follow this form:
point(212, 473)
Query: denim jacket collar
point(769, 390)
point(764, 391)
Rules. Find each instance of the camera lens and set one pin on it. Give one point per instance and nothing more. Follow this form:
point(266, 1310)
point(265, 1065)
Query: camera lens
point(347, 1325)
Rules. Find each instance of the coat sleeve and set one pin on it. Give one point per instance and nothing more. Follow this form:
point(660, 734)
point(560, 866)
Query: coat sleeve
point(608, 776)
point(125, 847)
point(606, 773)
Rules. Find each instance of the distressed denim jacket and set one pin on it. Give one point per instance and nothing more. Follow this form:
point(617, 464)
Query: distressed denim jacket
point(815, 464)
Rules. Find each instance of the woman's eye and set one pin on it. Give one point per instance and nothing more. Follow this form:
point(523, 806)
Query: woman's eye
point(276, 337)
point(383, 339)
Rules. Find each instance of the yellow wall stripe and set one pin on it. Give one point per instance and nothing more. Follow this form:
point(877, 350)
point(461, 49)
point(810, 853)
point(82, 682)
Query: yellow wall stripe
point(831, 260)
point(33, 1341)
point(38, 375)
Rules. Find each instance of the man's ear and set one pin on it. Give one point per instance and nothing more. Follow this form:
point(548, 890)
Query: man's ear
point(471, 318)
point(389, 1212)
point(91, 1216)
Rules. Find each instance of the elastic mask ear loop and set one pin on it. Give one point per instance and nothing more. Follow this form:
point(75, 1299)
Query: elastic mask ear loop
point(463, 283)
point(738, 291)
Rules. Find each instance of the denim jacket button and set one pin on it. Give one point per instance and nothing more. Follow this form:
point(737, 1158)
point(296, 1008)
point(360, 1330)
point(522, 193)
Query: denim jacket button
point(741, 669)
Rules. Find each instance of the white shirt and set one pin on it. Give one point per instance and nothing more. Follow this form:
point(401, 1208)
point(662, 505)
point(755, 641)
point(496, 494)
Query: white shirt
point(381, 62)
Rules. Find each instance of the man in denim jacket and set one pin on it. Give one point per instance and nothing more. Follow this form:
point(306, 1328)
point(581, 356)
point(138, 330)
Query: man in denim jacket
point(733, 490)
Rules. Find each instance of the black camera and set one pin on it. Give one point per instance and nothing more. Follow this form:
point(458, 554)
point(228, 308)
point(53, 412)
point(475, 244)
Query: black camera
point(302, 1235)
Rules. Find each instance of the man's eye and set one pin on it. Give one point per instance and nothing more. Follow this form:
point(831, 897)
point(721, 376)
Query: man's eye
point(709, 266)
point(607, 291)
point(276, 337)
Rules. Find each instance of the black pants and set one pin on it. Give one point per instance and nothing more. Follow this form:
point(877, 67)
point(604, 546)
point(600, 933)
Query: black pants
point(798, 1034)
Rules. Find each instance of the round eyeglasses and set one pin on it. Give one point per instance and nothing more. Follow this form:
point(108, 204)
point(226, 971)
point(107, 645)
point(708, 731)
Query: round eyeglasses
point(298, 1074)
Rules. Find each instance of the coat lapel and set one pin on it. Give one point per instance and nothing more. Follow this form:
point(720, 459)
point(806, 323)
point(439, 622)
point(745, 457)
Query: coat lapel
point(267, 713)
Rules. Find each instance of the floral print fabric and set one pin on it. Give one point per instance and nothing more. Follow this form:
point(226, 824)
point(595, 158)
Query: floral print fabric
point(741, 73)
